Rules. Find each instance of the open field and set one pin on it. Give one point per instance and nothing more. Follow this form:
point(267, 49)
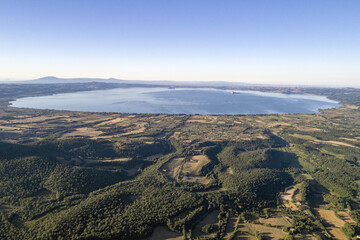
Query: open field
point(276, 221)
point(196, 179)
point(210, 218)
point(231, 226)
point(163, 233)
point(112, 121)
point(140, 129)
point(83, 132)
point(9, 128)
point(335, 143)
point(187, 171)
point(288, 195)
point(332, 223)
point(229, 171)
point(336, 233)
point(115, 160)
point(329, 217)
point(266, 232)
point(346, 217)
point(287, 199)
point(243, 237)
point(305, 237)
point(194, 165)
point(173, 167)
point(39, 119)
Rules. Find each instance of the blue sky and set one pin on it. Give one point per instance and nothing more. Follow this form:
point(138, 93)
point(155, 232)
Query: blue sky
point(309, 42)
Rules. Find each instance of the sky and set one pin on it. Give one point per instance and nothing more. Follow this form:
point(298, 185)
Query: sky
point(297, 42)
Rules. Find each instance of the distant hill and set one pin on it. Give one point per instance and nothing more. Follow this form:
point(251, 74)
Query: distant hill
point(168, 83)
point(55, 80)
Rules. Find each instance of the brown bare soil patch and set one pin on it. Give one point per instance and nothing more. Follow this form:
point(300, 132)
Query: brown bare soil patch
point(89, 161)
point(304, 237)
point(308, 129)
point(336, 143)
point(37, 119)
point(279, 124)
point(310, 138)
point(85, 131)
point(175, 135)
point(211, 218)
point(346, 217)
point(96, 118)
point(353, 107)
point(287, 199)
point(173, 167)
point(197, 179)
point(22, 116)
point(350, 139)
point(197, 121)
point(243, 237)
point(287, 196)
point(22, 126)
point(329, 217)
point(191, 169)
point(112, 121)
point(229, 171)
point(88, 118)
point(297, 196)
point(307, 176)
point(141, 129)
point(163, 233)
point(276, 221)
point(231, 226)
point(305, 137)
point(9, 128)
point(195, 164)
point(116, 160)
point(262, 137)
point(202, 119)
point(336, 233)
point(267, 232)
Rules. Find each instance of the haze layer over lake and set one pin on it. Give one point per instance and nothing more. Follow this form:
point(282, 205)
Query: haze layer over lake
point(179, 101)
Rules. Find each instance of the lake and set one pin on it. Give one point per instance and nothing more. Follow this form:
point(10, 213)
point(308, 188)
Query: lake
point(179, 101)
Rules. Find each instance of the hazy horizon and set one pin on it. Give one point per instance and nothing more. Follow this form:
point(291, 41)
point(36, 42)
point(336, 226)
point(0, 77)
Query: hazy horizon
point(256, 42)
point(193, 82)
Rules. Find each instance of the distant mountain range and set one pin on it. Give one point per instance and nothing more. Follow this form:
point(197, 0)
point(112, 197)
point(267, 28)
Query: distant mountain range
point(55, 80)
point(201, 84)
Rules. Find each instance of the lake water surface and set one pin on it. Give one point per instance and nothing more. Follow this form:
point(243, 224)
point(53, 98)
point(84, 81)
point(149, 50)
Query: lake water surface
point(179, 101)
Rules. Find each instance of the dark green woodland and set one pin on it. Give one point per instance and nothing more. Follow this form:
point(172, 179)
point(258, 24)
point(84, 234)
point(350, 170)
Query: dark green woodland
point(77, 175)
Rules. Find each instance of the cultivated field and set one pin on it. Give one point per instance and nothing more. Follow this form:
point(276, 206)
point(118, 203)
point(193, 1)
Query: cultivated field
point(266, 232)
point(163, 233)
point(210, 218)
point(332, 223)
point(276, 221)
